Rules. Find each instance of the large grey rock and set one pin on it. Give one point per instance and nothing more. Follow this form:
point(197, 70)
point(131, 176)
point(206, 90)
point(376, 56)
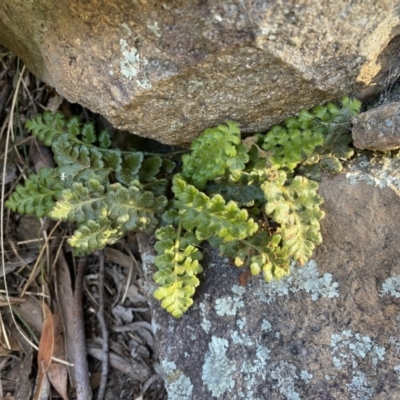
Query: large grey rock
point(167, 70)
point(329, 331)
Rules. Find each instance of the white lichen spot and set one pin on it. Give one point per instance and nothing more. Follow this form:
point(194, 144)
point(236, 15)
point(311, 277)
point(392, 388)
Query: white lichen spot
point(217, 368)
point(266, 325)
point(168, 367)
point(359, 388)
point(154, 28)
point(254, 371)
point(228, 305)
point(285, 374)
point(144, 84)
point(394, 341)
point(241, 323)
point(239, 290)
point(218, 18)
point(131, 62)
point(181, 389)
point(205, 323)
point(397, 370)
point(126, 27)
point(306, 376)
point(391, 286)
point(301, 278)
point(379, 172)
point(348, 349)
point(179, 386)
point(241, 339)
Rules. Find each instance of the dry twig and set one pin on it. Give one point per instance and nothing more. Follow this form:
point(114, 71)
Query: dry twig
point(104, 330)
point(83, 389)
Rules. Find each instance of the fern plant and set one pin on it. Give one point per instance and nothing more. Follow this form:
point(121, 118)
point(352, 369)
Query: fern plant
point(94, 186)
point(255, 199)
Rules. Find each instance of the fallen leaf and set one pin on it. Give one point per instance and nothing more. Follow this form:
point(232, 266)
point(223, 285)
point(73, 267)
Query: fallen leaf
point(45, 353)
point(58, 373)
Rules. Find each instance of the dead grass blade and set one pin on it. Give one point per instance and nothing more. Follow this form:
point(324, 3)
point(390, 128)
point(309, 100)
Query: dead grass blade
point(45, 353)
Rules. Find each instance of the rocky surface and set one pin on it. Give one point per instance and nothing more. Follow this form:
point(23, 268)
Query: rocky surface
point(168, 70)
point(329, 331)
point(378, 129)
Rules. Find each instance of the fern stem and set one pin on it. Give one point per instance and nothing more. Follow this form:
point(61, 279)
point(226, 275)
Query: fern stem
point(176, 247)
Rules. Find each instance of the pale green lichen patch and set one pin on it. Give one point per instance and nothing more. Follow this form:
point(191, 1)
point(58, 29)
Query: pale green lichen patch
point(229, 305)
point(266, 325)
point(285, 375)
point(397, 370)
point(131, 63)
point(348, 350)
point(375, 171)
point(217, 368)
point(179, 386)
point(241, 338)
point(391, 286)
point(306, 279)
point(359, 387)
point(205, 323)
point(306, 376)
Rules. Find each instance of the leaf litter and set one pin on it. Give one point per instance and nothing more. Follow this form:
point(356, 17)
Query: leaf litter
point(40, 292)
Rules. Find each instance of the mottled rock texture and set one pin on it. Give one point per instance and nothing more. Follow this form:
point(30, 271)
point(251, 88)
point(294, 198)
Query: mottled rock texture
point(330, 331)
point(378, 129)
point(168, 70)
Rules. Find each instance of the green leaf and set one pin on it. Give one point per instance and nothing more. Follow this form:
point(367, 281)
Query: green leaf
point(213, 153)
point(210, 216)
point(291, 146)
point(178, 264)
point(149, 169)
point(46, 127)
point(81, 203)
point(168, 165)
point(37, 195)
point(104, 139)
point(134, 209)
point(69, 152)
point(88, 133)
point(294, 204)
point(93, 235)
point(129, 167)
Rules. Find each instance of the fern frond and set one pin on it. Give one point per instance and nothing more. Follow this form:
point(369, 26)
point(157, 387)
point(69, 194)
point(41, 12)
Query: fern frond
point(37, 195)
point(133, 208)
point(81, 203)
point(294, 204)
point(291, 146)
point(47, 126)
point(178, 264)
point(93, 235)
point(213, 153)
point(69, 152)
point(130, 166)
point(260, 252)
point(149, 169)
point(210, 216)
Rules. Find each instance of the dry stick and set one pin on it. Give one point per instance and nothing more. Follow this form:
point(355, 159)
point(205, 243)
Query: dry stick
point(83, 389)
point(104, 330)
